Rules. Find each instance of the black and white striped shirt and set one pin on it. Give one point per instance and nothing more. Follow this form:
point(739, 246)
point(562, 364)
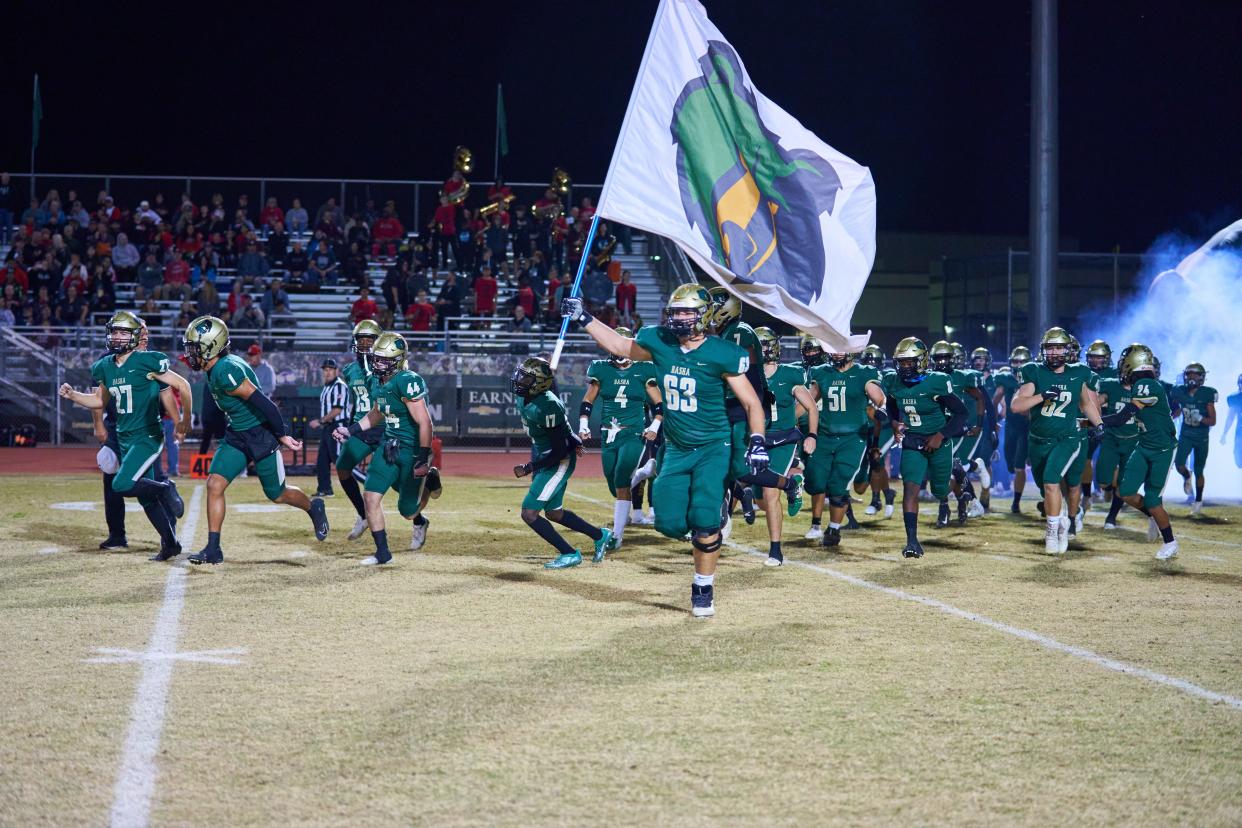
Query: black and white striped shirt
point(336, 395)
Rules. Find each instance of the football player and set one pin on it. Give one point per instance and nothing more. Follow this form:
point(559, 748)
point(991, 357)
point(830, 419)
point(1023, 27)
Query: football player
point(847, 390)
point(787, 385)
point(918, 401)
point(694, 372)
point(1100, 361)
point(1062, 392)
point(255, 434)
point(981, 461)
point(363, 388)
point(133, 379)
point(1017, 424)
point(950, 358)
point(812, 355)
point(874, 469)
point(404, 462)
point(626, 388)
point(1148, 465)
point(1232, 419)
point(554, 453)
point(1198, 407)
point(1116, 445)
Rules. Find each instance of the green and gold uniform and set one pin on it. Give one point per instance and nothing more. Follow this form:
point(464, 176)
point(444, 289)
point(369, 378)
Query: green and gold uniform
point(1017, 426)
point(1117, 442)
point(622, 404)
point(781, 414)
point(744, 336)
point(884, 443)
point(1056, 441)
point(1193, 437)
point(841, 440)
point(140, 433)
point(1148, 466)
point(1108, 372)
point(247, 438)
point(1074, 475)
point(393, 466)
point(966, 446)
point(924, 415)
point(694, 462)
point(987, 437)
point(364, 388)
point(545, 420)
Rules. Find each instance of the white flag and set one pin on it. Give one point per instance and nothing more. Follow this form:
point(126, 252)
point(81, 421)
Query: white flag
point(774, 214)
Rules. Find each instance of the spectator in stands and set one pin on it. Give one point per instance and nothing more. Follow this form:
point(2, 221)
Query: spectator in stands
point(7, 318)
point(202, 271)
point(485, 289)
point(150, 274)
point(249, 316)
point(189, 242)
point(271, 214)
point(421, 314)
point(158, 206)
point(34, 215)
point(72, 309)
point(358, 230)
point(296, 219)
point(207, 298)
point(297, 262)
point(150, 313)
point(445, 226)
point(496, 237)
point(520, 323)
point(526, 298)
point(364, 307)
point(176, 279)
point(46, 274)
point(277, 244)
point(144, 213)
point(323, 265)
point(273, 296)
point(387, 233)
point(282, 323)
point(109, 213)
point(354, 268)
point(14, 275)
point(522, 232)
point(125, 257)
point(330, 213)
point(608, 315)
point(253, 266)
point(46, 323)
point(78, 213)
point(19, 252)
point(263, 370)
point(393, 286)
point(185, 316)
point(597, 288)
point(73, 242)
point(241, 224)
point(417, 282)
point(8, 206)
point(104, 274)
point(74, 275)
point(627, 296)
point(448, 303)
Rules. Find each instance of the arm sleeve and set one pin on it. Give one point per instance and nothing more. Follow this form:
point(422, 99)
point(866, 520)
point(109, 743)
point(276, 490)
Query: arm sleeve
point(269, 411)
point(556, 453)
point(894, 410)
point(958, 418)
point(1120, 417)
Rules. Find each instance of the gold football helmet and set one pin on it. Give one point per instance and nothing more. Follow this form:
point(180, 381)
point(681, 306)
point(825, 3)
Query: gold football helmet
point(1099, 355)
point(685, 298)
point(769, 344)
point(123, 332)
point(911, 358)
point(981, 359)
point(388, 354)
point(1053, 337)
point(1199, 374)
point(1137, 358)
point(206, 338)
point(1019, 356)
point(725, 307)
point(942, 356)
point(532, 377)
point(812, 352)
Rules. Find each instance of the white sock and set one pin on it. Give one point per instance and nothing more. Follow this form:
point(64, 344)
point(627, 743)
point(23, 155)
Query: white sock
point(620, 514)
point(832, 525)
point(703, 580)
point(651, 513)
point(1054, 525)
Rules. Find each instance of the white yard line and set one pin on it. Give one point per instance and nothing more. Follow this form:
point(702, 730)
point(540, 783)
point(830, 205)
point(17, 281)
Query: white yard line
point(135, 782)
point(1044, 641)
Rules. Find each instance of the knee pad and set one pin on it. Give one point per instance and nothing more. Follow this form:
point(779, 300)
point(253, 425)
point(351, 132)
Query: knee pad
point(840, 501)
point(706, 546)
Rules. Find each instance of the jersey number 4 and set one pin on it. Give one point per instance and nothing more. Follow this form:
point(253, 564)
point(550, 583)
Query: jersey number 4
point(679, 394)
point(124, 397)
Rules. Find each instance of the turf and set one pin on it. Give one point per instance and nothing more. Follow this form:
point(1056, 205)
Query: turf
point(465, 684)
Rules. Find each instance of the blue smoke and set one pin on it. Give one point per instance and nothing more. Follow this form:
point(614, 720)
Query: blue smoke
point(1189, 316)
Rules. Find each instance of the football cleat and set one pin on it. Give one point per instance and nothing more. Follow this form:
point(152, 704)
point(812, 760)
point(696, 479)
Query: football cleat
point(1153, 531)
point(942, 517)
point(173, 502)
point(418, 534)
point(207, 556)
point(114, 543)
point(726, 529)
point(1197, 508)
point(888, 510)
point(795, 497)
point(963, 509)
point(814, 533)
point(748, 505)
point(1110, 527)
point(319, 517)
point(1052, 540)
point(912, 549)
point(433, 484)
point(851, 522)
point(564, 561)
point(1167, 551)
point(1188, 487)
point(872, 508)
point(606, 542)
point(702, 604)
point(639, 519)
point(774, 559)
point(360, 526)
point(985, 474)
point(976, 509)
point(1063, 533)
point(1078, 520)
point(1039, 507)
point(167, 552)
point(832, 537)
point(377, 559)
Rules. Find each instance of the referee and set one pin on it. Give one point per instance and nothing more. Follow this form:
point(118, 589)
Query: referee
point(335, 408)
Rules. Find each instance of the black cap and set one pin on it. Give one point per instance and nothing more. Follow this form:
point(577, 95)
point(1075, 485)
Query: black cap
point(328, 363)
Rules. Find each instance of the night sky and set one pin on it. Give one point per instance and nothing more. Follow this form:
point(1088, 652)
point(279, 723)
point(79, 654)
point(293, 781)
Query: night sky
point(934, 101)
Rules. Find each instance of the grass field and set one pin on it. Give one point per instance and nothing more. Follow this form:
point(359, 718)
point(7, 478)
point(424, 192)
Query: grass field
point(984, 684)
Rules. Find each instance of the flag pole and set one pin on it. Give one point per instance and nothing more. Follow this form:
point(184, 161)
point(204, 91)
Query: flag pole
point(586, 255)
point(496, 142)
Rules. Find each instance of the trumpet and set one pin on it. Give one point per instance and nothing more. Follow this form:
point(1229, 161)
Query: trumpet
point(485, 212)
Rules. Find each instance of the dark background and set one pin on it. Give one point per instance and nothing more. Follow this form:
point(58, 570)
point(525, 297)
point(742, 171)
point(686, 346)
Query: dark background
point(934, 97)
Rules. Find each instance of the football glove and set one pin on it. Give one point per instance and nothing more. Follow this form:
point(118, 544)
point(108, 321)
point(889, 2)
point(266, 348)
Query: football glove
point(1052, 393)
point(573, 308)
point(757, 454)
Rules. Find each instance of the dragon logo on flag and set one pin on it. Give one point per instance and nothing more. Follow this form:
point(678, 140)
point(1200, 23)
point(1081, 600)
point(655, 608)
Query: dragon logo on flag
point(756, 203)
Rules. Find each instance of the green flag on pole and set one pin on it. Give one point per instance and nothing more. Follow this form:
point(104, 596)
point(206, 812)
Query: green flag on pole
point(502, 129)
point(36, 116)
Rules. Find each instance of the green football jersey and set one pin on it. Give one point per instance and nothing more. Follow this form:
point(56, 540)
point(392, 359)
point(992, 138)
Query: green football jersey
point(1058, 418)
point(920, 410)
point(964, 378)
point(135, 396)
point(1009, 382)
point(541, 417)
point(363, 386)
point(622, 396)
point(693, 385)
point(782, 384)
point(227, 375)
point(390, 399)
point(845, 397)
point(1107, 373)
point(1114, 397)
point(1193, 403)
point(744, 336)
point(1155, 421)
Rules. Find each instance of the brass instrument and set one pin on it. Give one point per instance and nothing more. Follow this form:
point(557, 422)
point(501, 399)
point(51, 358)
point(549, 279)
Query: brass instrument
point(486, 211)
point(604, 256)
point(561, 181)
point(459, 195)
point(463, 160)
point(549, 212)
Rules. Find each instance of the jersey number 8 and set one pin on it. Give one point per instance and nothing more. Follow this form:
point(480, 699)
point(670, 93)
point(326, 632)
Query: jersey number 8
point(679, 394)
